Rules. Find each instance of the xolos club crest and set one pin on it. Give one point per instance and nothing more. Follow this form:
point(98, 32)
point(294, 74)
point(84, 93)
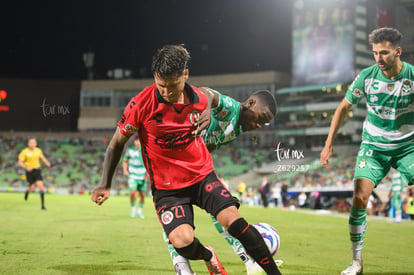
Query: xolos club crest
point(194, 116)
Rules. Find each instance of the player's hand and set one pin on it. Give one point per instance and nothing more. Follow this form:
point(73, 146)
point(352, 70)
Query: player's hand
point(326, 154)
point(126, 173)
point(202, 122)
point(100, 194)
point(28, 169)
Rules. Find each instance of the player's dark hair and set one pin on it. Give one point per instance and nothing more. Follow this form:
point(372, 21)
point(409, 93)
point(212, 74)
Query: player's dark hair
point(386, 34)
point(267, 99)
point(170, 61)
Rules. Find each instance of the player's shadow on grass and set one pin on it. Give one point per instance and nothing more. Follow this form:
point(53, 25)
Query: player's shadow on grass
point(95, 269)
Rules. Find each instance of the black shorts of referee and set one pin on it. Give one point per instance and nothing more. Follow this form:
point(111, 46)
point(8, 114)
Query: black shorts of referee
point(33, 176)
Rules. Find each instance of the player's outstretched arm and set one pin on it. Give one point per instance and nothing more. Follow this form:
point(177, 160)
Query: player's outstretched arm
point(337, 121)
point(113, 154)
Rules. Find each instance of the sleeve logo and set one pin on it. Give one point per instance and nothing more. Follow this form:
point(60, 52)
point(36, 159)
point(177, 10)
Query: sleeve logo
point(130, 129)
point(357, 93)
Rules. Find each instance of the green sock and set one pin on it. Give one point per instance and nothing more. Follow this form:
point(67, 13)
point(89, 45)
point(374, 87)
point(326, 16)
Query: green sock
point(357, 227)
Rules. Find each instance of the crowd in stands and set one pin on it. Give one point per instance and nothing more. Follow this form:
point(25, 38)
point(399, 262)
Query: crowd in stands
point(77, 164)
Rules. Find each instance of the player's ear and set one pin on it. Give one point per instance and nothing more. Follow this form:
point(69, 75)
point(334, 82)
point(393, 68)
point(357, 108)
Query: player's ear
point(186, 74)
point(398, 51)
point(251, 102)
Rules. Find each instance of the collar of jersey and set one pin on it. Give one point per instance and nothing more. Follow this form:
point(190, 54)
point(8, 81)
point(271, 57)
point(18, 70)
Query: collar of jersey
point(192, 95)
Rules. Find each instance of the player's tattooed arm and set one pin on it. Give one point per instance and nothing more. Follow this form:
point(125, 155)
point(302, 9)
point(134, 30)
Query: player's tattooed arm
point(112, 157)
point(204, 120)
point(113, 154)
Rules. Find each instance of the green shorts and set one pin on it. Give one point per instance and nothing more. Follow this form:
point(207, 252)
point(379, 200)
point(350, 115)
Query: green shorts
point(135, 184)
point(373, 163)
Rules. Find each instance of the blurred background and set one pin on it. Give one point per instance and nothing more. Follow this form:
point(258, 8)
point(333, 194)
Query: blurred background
point(68, 69)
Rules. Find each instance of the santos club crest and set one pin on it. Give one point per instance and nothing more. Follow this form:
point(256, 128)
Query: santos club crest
point(406, 87)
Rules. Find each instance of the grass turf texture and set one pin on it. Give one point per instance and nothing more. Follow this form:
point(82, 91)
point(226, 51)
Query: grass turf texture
point(75, 236)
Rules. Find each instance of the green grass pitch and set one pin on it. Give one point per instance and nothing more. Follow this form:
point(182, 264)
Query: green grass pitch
point(75, 236)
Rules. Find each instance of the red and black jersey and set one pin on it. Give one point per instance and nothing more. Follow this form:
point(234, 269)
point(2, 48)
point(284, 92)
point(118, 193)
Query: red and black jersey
point(173, 157)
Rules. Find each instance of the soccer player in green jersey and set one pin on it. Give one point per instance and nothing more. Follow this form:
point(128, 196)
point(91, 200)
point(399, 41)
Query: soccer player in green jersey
point(134, 169)
point(229, 118)
point(388, 131)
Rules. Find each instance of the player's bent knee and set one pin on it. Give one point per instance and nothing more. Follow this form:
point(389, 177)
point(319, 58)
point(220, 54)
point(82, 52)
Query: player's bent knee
point(228, 215)
point(181, 236)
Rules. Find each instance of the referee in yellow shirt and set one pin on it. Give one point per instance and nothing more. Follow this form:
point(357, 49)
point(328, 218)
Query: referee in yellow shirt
point(29, 159)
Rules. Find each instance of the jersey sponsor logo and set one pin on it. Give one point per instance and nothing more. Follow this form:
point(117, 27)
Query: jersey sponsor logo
point(130, 129)
point(158, 118)
point(357, 93)
point(194, 115)
point(170, 141)
point(210, 186)
point(377, 110)
point(167, 217)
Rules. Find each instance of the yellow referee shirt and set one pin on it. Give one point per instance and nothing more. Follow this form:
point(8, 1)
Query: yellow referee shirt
point(31, 158)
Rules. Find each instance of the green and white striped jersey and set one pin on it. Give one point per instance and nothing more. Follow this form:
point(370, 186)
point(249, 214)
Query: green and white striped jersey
point(136, 166)
point(224, 125)
point(390, 106)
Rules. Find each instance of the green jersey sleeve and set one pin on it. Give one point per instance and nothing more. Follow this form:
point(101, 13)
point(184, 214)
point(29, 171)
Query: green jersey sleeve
point(224, 125)
point(127, 155)
point(356, 91)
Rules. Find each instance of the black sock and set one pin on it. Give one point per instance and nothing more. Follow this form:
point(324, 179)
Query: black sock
point(254, 244)
point(26, 194)
point(42, 198)
point(195, 251)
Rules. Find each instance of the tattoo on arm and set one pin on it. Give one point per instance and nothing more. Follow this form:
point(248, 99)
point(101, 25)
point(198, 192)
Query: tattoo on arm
point(112, 157)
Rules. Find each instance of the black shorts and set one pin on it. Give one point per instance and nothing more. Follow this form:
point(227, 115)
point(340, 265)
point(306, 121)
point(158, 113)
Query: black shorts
point(34, 176)
point(175, 207)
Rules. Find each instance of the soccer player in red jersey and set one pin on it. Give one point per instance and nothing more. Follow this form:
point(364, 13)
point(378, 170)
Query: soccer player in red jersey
point(165, 116)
